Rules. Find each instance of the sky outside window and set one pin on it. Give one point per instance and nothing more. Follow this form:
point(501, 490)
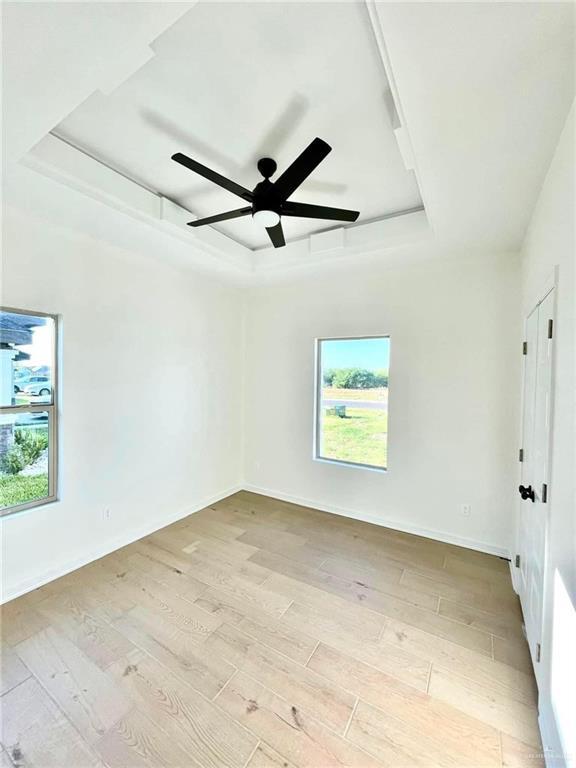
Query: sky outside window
point(372, 354)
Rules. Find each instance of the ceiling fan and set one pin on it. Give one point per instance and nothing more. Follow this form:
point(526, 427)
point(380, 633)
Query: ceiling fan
point(269, 199)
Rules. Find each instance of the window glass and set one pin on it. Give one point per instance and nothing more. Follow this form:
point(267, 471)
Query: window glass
point(352, 401)
point(27, 409)
point(27, 343)
point(24, 458)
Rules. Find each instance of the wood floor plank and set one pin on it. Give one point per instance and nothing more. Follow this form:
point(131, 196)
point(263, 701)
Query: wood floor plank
point(351, 570)
point(266, 757)
point(259, 633)
point(180, 652)
point(69, 613)
point(168, 607)
point(103, 601)
point(81, 689)
point(280, 636)
point(516, 754)
point(396, 745)
point(136, 741)
point(508, 715)
point(154, 550)
point(434, 624)
point(323, 608)
point(503, 625)
point(354, 590)
point(229, 550)
point(223, 571)
point(19, 622)
point(273, 541)
point(260, 596)
point(183, 584)
point(192, 722)
point(474, 584)
point(459, 592)
point(12, 670)
point(469, 567)
point(288, 729)
point(411, 716)
point(442, 652)
point(375, 550)
point(214, 528)
point(232, 608)
point(300, 685)
point(514, 653)
point(36, 733)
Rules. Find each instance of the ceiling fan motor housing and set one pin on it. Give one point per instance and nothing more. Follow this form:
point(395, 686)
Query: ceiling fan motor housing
point(266, 198)
point(267, 167)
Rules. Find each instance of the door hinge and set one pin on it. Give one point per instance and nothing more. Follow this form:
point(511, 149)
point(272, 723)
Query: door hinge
point(538, 652)
point(517, 561)
point(544, 493)
point(550, 328)
point(521, 454)
point(524, 347)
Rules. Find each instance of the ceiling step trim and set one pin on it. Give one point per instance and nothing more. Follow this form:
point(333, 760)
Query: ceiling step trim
point(62, 162)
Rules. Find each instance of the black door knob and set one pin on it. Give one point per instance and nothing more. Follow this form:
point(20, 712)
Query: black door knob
point(526, 492)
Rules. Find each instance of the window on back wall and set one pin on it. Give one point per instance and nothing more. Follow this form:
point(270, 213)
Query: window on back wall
point(28, 411)
point(352, 401)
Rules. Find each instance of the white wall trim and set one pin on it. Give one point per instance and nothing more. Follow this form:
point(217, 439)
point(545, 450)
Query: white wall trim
point(554, 755)
point(111, 546)
point(60, 160)
point(513, 576)
point(447, 538)
point(138, 533)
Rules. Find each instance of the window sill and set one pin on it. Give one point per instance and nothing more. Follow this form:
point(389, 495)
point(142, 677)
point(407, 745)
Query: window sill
point(350, 464)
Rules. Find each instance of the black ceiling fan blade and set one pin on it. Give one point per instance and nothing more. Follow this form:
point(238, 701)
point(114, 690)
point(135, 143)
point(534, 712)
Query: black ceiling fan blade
point(276, 235)
point(318, 212)
point(211, 175)
point(301, 168)
point(221, 217)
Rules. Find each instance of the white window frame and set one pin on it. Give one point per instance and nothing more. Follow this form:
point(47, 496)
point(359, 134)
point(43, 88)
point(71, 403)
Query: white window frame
point(51, 409)
point(316, 455)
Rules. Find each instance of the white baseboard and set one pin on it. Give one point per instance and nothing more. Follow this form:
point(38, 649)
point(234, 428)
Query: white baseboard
point(554, 755)
point(427, 533)
point(122, 541)
point(514, 576)
point(111, 546)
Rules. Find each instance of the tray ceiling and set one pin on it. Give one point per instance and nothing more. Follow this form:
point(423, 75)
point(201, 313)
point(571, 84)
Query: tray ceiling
point(231, 83)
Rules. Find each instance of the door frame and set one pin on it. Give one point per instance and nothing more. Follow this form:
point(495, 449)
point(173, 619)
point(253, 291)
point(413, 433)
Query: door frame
point(548, 285)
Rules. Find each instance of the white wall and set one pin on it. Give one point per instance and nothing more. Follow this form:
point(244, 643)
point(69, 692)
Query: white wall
point(550, 242)
point(454, 327)
point(151, 405)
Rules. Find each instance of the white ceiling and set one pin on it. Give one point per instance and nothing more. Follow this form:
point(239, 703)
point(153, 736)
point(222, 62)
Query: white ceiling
point(482, 89)
point(485, 89)
point(231, 83)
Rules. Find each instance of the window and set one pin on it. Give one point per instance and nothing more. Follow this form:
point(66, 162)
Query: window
point(352, 401)
point(28, 411)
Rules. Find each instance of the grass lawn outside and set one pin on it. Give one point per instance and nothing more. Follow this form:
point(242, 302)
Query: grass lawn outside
point(19, 489)
point(333, 393)
point(360, 438)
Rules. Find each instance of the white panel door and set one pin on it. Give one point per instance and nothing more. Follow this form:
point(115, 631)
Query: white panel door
point(527, 474)
point(535, 484)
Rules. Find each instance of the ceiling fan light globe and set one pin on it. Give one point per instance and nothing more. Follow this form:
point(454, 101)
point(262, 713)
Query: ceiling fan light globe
point(266, 218)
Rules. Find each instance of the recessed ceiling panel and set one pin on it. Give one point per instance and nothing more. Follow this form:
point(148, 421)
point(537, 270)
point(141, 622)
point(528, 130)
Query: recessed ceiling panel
point(231, 83)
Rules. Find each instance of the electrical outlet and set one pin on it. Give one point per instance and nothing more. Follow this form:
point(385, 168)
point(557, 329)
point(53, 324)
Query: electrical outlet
point(466, 509)
point(106, 514)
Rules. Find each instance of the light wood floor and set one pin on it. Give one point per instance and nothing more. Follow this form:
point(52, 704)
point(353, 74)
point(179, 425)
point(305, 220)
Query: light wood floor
point(258, 633)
